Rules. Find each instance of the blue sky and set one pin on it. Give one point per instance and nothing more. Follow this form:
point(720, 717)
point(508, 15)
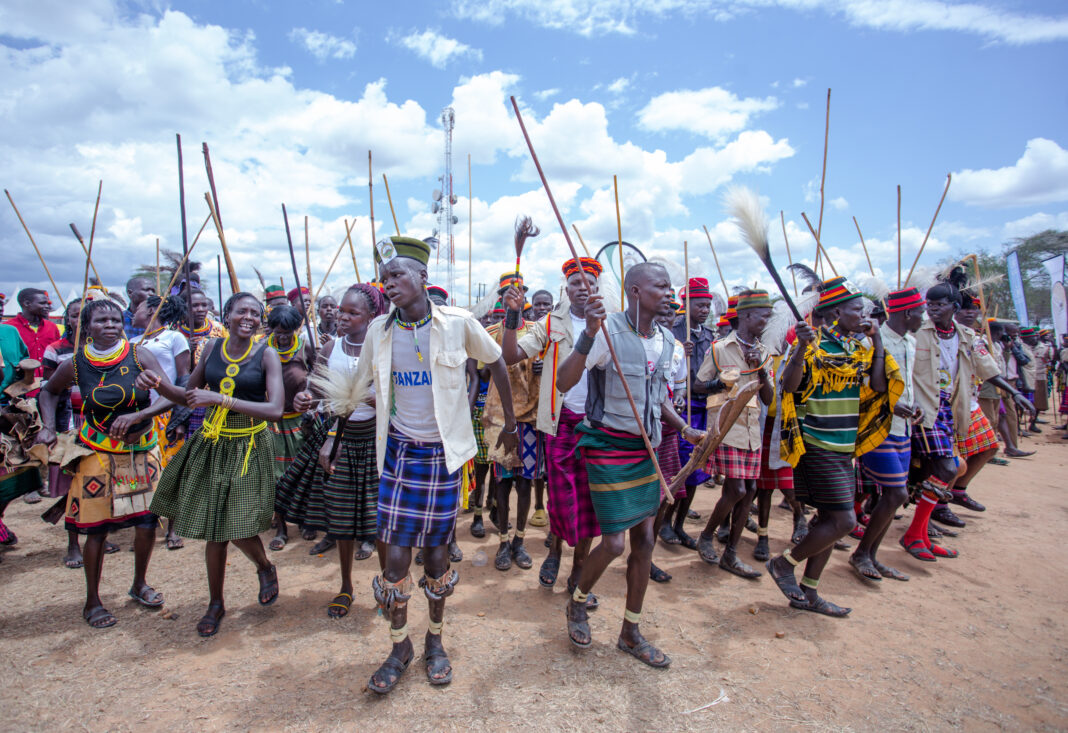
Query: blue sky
point(680, 98)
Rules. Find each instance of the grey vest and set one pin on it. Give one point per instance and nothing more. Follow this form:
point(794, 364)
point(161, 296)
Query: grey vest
point(606, 401)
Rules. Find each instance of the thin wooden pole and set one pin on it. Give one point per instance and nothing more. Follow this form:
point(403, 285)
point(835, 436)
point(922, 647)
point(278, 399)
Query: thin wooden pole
point(470, 233)
point(619, 244)
point(949, 179)
point(581, 241)
point(158, 283)
point(333, 261)
point(371, 200)
point(899, 236)
point(213, 215)
point(789, 257)
point(982, 300)
point(307, 261)
point(218, 270)
point(296, 277)
point(686, 275)
point(864, 245)
point(174, 276)
point(823, 174)
point(715, 258)
point(819, 245)
point(604, 329)
point(185, 236)
point(352, 249)
point(81, 241)
point(389, 198)
point(35, 248)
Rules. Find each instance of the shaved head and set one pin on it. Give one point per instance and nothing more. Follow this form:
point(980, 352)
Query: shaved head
point(643, 272)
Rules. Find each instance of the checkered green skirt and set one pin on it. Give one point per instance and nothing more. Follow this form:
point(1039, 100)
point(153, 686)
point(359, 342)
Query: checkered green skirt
point(209, 494)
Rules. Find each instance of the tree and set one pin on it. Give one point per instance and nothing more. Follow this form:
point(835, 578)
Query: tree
point(1036, 283)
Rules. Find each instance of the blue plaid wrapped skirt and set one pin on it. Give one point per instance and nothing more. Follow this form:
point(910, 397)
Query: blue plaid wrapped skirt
point(417, 496)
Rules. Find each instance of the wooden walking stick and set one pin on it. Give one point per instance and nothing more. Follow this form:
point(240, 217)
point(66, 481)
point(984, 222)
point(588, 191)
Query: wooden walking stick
point(213, 206)
point(218, 271)
point(670, 498)
point(371, 200)
point(296, 278)
point(819, 245)
point(157, 268)
point(332, 262)
point(982, 299)
point(581, 241)
point(352, 249)
point(715, 258)
point(823, 174)
point(619, 244)
point(389, 198)
point(307, 260)
point(949, 179)
point(470, 234)
point(185, 232)
point(899, 236)
point(686, 276)
point(865, 246)
point(36, 249)
point(789, 257)
point(81, 241)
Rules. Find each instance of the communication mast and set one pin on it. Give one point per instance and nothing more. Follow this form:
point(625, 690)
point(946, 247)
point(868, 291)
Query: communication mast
point(444, 200)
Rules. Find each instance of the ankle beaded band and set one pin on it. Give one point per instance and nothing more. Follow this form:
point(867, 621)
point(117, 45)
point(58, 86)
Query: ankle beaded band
point(398, 635)
point(632, 617)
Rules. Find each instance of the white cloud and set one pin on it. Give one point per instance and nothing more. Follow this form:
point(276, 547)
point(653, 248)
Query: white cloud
point(322, 45)
point(713, 112)
point(599, 17)
point(1040, 176)
point(1034, 224)
point(839, 203)
point(545, 94)
point(619, 86)
point(438, 49)
point(798, 83)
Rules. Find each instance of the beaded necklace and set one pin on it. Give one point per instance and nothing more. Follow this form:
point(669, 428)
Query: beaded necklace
point(414, 327)
point(945, 332)
point(286, 355)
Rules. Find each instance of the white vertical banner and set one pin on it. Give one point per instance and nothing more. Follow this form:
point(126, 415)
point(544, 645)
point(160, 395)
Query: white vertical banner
point(1059, 311)
point(1016, 288)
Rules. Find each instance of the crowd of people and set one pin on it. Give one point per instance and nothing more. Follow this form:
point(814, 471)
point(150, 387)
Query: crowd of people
point(382, 417)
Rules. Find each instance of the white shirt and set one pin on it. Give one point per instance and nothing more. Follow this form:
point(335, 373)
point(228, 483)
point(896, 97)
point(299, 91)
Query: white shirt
point(903, 349)
point(599, 355)
point(575, 399)
point(166, 346)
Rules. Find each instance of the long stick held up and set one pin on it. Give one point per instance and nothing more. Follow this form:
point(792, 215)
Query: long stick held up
point(389, 198)
point(213, 206)
point(689, 330)
point(311, 295)
point(85, 251)
point(371, 200)
point(789, 257)
point(899, 236)
point(619, 244)
point(865, 246)
point(949, 179)
point(185, 231)
point(470, 233)
point(35, 249)
point(296, 279)
point(586, 284)
point(715, 258)
point(819, 244)
point(745, 206)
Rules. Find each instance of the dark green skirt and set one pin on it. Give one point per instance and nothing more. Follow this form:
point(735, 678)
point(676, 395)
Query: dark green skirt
point(209, 492)
point(288, 439)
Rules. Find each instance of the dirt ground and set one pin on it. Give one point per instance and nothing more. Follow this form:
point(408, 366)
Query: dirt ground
point(972, 643)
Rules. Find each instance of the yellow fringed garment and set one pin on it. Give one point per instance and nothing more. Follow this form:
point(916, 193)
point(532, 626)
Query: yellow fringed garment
point(213, 429)
point(837, 372)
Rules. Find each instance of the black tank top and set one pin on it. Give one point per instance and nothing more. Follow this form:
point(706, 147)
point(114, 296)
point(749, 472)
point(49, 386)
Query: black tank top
point(250, 384)
point(108, 392)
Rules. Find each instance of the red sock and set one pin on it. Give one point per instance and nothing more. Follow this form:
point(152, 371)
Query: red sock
point(918, 529)
point(858, 508)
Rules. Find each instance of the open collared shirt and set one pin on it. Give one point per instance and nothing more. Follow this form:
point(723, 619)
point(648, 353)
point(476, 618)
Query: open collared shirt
point(455, 336)
point(727, 353)
point(974, 362)
point(903, 349)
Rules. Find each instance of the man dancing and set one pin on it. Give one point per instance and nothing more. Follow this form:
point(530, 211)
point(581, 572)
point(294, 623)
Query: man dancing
point(740, 357)
point(623, 481)
point(834, 405)
point(417, 359)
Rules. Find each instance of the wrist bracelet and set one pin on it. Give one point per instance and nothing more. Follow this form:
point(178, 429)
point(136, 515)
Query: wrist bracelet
point(512, 432)
point(584, 343)
point(511, 320)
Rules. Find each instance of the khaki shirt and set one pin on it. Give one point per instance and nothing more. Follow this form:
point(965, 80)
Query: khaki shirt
point(727, 354)
point(454, 337)
point(524, 384)
point(988, 391)
point(551, 339)
point(974, 362)
point(1030, 370)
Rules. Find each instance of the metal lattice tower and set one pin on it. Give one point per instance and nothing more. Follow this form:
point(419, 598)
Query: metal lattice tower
point(444, 206)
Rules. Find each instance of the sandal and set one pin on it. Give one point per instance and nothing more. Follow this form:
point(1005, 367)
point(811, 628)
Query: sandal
point(762, 553)
point(148, 597)
point(503, 561)
point(919, 550)
point(592, 603)
point(865, 568)
point(437, 661)
point(730, 562)
point(550, 568)
point(392, 666)
point(175, 542)
point(645, 652)
point(522, 557)
point(581, 626)
point(800, 531)
point(268, 585)
point(478, 530)
point(278, 542)
point(338, 608)
point(455, 553)
point(100, 618)
point(787, 583)
point(324, 545)
point(110, 548)
point(364, 551)
point(823, 606)
point(706, 549)
point(308, 534)
point(208, 624)
point(658, 575)
point(939, 551)
point(685, 539)
point(888, 572)
point(667, 534)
